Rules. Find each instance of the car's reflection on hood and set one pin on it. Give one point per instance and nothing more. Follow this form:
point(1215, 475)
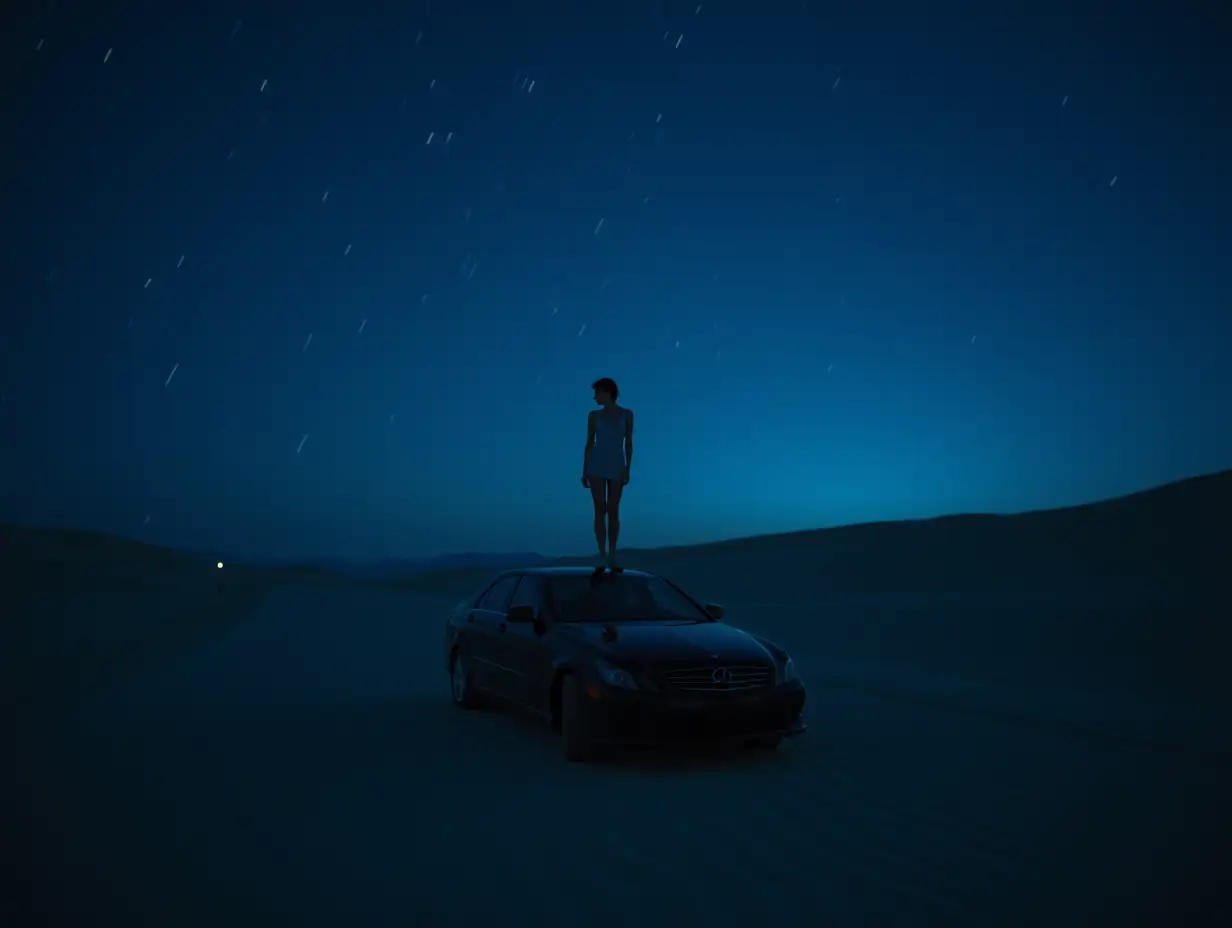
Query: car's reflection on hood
point(673, 639)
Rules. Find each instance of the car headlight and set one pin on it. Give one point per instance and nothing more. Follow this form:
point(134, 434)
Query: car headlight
point(615, 676)
point(788, 673)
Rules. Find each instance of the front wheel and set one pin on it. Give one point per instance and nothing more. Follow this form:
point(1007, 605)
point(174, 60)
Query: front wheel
point(464, 695)
point(575, 722)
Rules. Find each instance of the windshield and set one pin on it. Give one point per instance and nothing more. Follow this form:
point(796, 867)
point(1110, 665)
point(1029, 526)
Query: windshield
point(608, 597)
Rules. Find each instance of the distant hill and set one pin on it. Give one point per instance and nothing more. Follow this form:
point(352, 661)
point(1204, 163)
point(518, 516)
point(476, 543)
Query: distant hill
point(69, 560)
point(1176, 533)
point(402, 568)
point(36, 556)
point(1179, 533)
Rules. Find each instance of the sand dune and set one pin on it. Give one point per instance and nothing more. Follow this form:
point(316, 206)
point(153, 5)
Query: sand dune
point(282, 748)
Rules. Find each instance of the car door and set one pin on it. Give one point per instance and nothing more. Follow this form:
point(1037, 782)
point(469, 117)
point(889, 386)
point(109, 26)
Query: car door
point(525, 651)
point(483, 621)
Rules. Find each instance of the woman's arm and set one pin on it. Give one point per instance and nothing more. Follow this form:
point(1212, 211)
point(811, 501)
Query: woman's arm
point(590, 441)
point(628, 442)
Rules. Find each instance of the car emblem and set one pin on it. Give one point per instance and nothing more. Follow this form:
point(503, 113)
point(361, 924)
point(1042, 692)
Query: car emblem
point(721, 676)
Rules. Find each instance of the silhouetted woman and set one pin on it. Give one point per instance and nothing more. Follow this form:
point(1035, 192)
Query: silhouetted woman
point(605, 468)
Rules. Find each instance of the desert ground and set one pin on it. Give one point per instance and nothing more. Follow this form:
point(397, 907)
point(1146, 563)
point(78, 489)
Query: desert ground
point(1035, 754)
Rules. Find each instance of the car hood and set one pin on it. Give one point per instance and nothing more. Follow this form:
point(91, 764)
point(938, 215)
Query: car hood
point(672, 641)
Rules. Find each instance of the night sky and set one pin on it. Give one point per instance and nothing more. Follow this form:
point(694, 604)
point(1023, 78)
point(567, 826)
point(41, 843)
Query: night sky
point(335, 279)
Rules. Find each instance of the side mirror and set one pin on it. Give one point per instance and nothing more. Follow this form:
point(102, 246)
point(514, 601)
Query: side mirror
point(521, 614)
point(715, 611)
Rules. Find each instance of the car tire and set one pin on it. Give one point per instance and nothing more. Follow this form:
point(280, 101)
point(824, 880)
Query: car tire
point(463, 694)
point(575, 722)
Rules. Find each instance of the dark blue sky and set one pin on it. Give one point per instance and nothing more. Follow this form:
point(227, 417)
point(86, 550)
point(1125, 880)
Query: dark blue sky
point(846, 261)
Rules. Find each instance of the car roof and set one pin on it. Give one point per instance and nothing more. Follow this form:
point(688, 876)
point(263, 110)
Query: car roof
point(567, 571)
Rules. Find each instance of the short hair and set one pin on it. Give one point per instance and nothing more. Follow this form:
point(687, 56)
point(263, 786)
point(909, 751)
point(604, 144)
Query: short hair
point(607, 385)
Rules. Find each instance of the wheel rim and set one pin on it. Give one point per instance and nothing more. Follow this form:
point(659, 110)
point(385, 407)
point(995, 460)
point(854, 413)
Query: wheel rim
point(458, 680)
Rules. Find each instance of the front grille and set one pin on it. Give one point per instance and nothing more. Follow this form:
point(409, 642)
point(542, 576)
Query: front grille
point(719, 678)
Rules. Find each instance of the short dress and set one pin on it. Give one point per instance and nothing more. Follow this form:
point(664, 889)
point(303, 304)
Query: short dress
point(607, 455)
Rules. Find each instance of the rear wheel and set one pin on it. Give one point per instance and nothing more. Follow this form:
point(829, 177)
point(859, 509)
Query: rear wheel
point(575, 726)
point(464, 695)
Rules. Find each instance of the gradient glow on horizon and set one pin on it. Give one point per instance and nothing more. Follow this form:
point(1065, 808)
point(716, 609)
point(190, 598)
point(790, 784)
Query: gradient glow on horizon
point(305, 283)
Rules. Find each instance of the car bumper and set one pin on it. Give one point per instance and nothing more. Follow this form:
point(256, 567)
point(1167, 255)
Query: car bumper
point(622, 717)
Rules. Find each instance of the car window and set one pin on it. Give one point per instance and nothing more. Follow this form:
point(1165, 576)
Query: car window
point(527, 593)
point(618, 597)
point(498, 594)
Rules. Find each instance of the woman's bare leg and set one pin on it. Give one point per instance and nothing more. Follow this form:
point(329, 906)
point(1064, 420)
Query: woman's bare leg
point(598, 495)
point(614, 491)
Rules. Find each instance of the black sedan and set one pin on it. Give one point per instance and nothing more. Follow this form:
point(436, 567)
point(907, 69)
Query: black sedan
point(613, 657)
